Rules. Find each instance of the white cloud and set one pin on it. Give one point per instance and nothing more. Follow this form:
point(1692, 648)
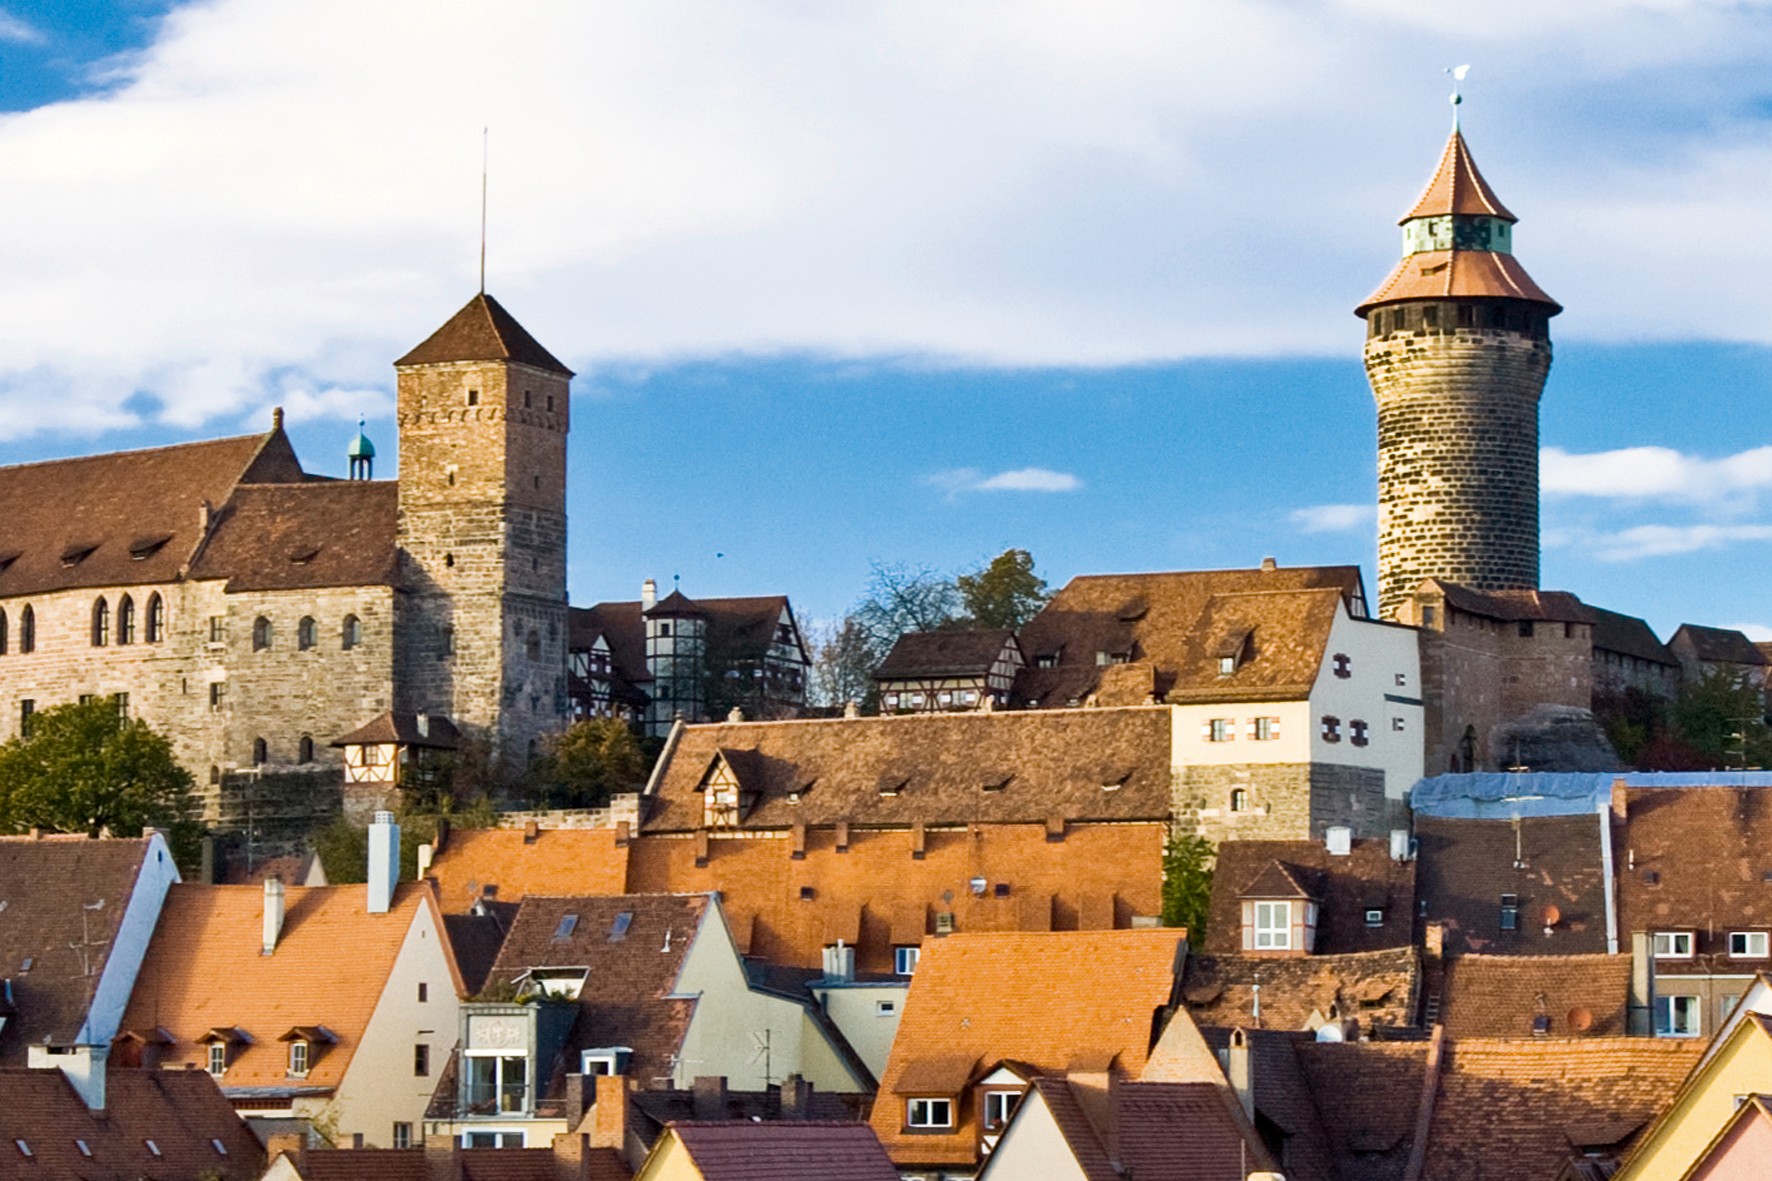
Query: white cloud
point(1757, 632)
point(1071, 182)
point(1656, 473)
point(1027, 479)
point(1333, 518)
point(19, 31)
point(1655, 540)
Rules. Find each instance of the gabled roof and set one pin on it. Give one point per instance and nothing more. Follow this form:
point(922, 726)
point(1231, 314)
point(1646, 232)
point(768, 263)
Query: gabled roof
point(1368, 1096)
point(1718, 645)
point(1628, 636)
point(1377, 988)
point(62, 900)
point(433, 731)
point(737, 629)
point(1151, 618)
point(1466, 866)
point(1694, 858)
point(483, 331)
point(1022, 766)
point(507, 864)
point(205, 969)
point(634, 964)
point(297, 536)
point(1165, 1131)
point(127, 517)
point(180, 1111)
point(784, 1151)
point(1345, 888)
point(476, 1164)
point(1504, 995)
point(1046, 1000)
point(1276, 637)
point(955, 652)
point(1279, 880)
point(1457, 188)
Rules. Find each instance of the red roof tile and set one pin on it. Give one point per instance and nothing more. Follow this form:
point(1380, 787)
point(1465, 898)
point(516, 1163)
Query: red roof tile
point(1457, 274)
point(507, 865)
point(1345, 887)
point(1457, 188)
point(1502, 995)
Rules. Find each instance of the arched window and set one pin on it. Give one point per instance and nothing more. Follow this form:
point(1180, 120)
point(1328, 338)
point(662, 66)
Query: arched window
point(351, 634)
point(306, 633)
point(261, 752)
point(2, 633)
point(27, 629)
point(156, 618)
point(305, 749)
point(261, 634)
point(101, 623)
point(532, 647)
point(126, 620)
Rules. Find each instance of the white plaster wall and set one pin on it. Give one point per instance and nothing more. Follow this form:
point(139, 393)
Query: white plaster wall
point(1385, 664)
point(1194, 749)
point(851, 1009)
point(1032, 1148)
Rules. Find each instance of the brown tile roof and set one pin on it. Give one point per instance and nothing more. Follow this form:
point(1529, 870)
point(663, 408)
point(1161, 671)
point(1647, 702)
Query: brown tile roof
point(954, 652)
point(1281, 636)
point(1457, 188)
point(1045, 1000)
point(621, 625)
point(1514, 605)
point(1502, 995)
point(181, 1112)
point(1523, 1108)
point(477, 1164)
point(878, 893)
point(437, 732)
point(1628, 636)
point(1345, 888)
point(1368, 1095)
point(1467, 865)
point(298, 536)
point(505, 864)
point(205, 969)
point(483, 331)
point(1377, 988)
point(53, 948)
point(476, 936)
point(1166, 1131)
point(1283, 1098)
point(1719, 645)
point(112, 508)
point(1002, 767)
point(626, 999)
point(1147, 617)
point(791, 1151)
point(1457, 274)
point(1695, 858)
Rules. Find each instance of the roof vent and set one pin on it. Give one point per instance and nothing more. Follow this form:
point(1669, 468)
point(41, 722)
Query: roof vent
point(1651, 877)
point(147, 547)
point(944, 922)
point(78, 552)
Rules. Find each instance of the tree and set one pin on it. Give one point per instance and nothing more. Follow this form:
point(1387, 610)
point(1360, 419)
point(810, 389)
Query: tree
point(1004, 593)
point(1723, 718)
point(85, 769)
point(1187, 884)
point(843, 664)
point(591, 761)
point(902, 598)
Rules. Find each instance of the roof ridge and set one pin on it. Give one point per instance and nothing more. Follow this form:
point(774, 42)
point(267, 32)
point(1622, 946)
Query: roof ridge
point(134, 451)
point(934, 718)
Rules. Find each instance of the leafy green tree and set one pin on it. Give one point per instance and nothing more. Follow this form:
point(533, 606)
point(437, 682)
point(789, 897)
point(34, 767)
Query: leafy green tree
point(1723, 718)
point(84, 769)
point(1187, 884)
point(1005, 592)
point(591, 761)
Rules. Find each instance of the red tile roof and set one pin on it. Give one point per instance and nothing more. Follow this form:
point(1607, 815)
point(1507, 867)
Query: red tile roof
point(790, 1151)
point(1165, 1131)
point(483, 331)
point(1502, 995)
point(1468, 865)
point(1368, 1096)
point(507, 865)
point(1457, 188)
point(1457, 274)
point(1378, 988)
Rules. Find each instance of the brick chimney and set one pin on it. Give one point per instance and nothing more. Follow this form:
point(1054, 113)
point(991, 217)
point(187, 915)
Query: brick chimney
point(442, 1157)
point(709, 1091)
point(796, 1098)
point(294, 1145)
point(580, 1097)
point(609, 1114)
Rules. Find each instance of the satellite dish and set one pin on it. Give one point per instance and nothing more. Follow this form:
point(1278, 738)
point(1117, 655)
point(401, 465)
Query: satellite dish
point(1553, 914)
point(1581, 1020)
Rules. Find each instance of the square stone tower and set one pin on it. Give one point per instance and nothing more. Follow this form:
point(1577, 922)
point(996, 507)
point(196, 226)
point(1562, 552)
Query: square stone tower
point(481, 630)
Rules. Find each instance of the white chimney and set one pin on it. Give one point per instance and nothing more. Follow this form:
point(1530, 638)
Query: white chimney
point(1400, 850)
point(427, 853)
point(839, 962)
point(423, 722)
point(384, 862)
point(274, 906)
point(1240, 1070)
point(1340, 840)
point(648, 595)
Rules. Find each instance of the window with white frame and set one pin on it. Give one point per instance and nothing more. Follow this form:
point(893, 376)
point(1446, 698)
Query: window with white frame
point(1747, 945)
point(1673, 945)
point(929, 1113)
point(298, 1058)
point(998, 1107)
point(1273, 926)
point(1677, 1016)
point(218, 1058)
point(904, 959)
point(402, 1135)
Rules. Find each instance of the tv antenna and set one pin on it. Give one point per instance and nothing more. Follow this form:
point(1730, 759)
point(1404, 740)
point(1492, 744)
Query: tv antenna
point(485, 136)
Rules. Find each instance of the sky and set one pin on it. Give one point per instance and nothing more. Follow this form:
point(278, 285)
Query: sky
point(908, 282)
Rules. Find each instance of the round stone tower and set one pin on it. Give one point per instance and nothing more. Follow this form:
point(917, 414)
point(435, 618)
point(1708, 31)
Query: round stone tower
point(1457, 350)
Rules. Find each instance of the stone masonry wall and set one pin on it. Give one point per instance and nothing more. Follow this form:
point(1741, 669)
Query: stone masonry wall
point(1286, 801)
point(1457, 458)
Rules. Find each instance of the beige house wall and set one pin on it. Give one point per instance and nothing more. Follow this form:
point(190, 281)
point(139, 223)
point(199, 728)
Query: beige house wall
point(1032, 1148)
point(1739, 1068)
point(669, 1161)
point(853, 1009)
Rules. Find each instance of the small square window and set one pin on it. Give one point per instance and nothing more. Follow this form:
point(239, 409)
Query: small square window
point(424, 992)
point(885, 1008)
point(1239, 799)
point(218, 696)
point(1673, 945)
point(998, 1107)
point(1267, 729)
point(1375, 917)
point(1677, 1016)
point(1221, 730)
point(1343, 665)
point(1227, 665)
point(904, 959)
point(1747, 945)
point(1397, 724)
point(1331, 728)
point(218, 628)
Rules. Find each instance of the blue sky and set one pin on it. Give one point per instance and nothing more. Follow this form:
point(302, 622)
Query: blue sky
point(908, 282)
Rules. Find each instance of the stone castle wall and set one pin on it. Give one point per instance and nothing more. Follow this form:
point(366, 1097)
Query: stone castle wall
point(1285, 801)
point(1457, 456)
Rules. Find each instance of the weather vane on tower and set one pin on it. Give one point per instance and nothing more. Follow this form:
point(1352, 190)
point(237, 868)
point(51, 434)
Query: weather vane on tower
point(1458, 73)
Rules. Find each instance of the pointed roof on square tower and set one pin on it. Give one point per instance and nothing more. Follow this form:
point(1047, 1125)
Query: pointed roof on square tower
point(483, 331)
point(1458, 188)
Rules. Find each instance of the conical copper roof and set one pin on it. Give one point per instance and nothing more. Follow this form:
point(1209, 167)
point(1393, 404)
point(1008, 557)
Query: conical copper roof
point(1457, 187)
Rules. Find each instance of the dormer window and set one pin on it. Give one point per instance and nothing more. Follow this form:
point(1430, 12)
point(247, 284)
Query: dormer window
point(998, 1107)
point(1273, 926)
point(1227, 665)
point(929, 1114)
point(298, 1059)
point(218, 1058)
point(1673, 945)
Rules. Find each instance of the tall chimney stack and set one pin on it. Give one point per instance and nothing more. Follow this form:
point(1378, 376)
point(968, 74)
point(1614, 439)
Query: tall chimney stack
point(384, 862)
point(648, 595)
point(274, 909)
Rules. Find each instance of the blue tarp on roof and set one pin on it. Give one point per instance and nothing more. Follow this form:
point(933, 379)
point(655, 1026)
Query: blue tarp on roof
point(1501, 794)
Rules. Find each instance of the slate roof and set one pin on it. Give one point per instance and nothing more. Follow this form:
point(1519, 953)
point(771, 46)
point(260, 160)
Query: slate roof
point(626, 999)
point(1717, 645)
point(1153, 618)
point(52, 947)
point(878, 893)
point(1457, 187)
point(1523, 1108)
point(506, 864)
point(1514, 605)
point(954, 652)
point(1502, 995)
point(299, 536)
point(483, 331)
point(133, 515)
point(998, 767)
point(205, 969)
point(181, 1112)
point(787, 1151)
point(1345, 888)
point(1368, 1096)
point(1629, 636)
point(1466, 866)
point(1695, 858)
point(1084, 999)
point(437, 732)
point(1377, 988)
point(477, 935)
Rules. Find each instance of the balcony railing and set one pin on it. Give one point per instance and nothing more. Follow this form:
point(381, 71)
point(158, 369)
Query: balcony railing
point(495, 1099)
